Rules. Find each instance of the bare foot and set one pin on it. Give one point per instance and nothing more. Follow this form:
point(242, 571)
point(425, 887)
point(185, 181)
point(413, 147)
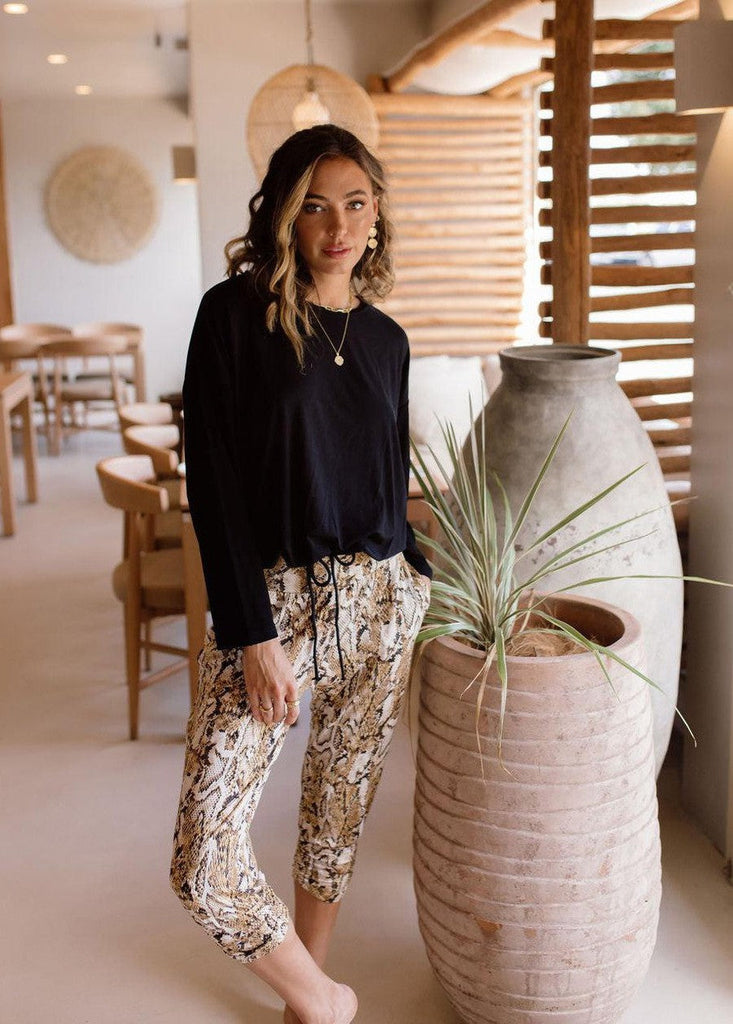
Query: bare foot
point(345, 1005)
point(343, 1008)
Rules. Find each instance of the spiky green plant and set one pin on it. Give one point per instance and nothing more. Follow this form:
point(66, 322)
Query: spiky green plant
point(475, 594)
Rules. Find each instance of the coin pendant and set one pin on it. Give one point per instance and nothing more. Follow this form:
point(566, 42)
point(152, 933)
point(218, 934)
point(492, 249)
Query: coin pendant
point(338, 360)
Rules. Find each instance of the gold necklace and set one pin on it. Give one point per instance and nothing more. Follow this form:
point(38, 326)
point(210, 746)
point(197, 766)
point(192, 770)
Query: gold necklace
point(338, 358)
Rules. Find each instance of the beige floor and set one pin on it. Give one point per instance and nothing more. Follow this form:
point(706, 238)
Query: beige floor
point(89, 929)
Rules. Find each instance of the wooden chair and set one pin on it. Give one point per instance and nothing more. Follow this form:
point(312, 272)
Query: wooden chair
point(69, 393)
point(159, 442)
point(135, 349)
point(144, 414)
point(149, 583)
point(22, 355)
point(19, 349)
point(32, 332)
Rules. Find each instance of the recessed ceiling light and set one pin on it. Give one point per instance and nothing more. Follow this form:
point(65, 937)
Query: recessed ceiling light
point(15, 8)
point(57, 58)
point(83, 90)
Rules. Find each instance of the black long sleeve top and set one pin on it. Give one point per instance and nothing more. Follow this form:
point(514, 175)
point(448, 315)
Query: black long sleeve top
point(291, 462)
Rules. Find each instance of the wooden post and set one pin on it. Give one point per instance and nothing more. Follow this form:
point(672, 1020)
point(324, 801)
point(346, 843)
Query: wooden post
point(571, 129)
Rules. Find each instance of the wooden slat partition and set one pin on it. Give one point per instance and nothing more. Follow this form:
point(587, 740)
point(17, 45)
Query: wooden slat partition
point(642, 214)
point(460, 188)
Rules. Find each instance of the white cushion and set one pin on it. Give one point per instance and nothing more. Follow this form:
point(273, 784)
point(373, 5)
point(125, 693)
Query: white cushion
point(440, 388)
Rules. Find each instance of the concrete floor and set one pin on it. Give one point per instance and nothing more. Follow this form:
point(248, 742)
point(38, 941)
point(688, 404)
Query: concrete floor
point(90, 931)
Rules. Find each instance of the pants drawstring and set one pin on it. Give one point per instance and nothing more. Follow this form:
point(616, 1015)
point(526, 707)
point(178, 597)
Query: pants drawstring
point(328, 564)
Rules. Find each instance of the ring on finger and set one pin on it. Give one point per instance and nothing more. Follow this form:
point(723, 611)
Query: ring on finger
point(265, 707)
point(293, 703)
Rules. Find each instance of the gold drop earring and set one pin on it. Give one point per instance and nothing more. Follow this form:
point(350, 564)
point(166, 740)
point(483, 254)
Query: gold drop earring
point(372, 239)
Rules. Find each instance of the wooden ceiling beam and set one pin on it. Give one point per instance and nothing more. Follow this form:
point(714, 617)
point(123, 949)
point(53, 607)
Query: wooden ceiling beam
point(463, 32)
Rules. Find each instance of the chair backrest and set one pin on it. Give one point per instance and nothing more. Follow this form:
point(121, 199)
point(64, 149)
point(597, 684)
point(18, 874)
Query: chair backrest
point(133, 333)
point(128, 483)
point(89, 345)
point(157, 442)
point(27, 332)
point(102, 327)
point(145, 414)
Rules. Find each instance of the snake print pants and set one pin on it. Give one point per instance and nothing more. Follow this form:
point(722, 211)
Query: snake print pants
point(229, 755)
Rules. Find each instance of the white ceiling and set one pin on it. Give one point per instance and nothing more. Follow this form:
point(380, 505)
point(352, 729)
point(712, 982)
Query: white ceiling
point(111, 46)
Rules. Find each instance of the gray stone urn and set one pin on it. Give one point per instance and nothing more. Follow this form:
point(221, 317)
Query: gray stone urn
point(540, 386)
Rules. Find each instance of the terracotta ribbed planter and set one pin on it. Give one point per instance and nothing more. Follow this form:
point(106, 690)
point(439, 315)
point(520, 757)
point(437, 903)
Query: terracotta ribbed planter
point(540, 386)
point(538, 892)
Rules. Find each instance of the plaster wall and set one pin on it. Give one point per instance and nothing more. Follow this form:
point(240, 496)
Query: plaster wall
point(235, 48)
point(708, 694)
point(159, 286)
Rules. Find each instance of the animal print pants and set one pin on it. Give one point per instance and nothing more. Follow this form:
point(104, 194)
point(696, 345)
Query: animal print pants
point(369, 625)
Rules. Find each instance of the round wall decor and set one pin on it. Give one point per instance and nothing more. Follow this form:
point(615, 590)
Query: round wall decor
point(101, 204)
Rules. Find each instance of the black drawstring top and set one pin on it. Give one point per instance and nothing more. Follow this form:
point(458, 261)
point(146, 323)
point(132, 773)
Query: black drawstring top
point(328, 565)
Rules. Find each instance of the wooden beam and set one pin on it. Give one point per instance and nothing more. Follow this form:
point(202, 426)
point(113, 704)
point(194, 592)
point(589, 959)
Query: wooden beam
point(633, 92)
point(461, 33)
point(628, 29)
point(651, 124)
point(620, 332)
point(642, 184)
point(518, 83)
point(643, 299)
point(429, 103)
point(482, 125)
point(659, 153)
point(622, 92)
point(660, 386)
point(504, 37)
point(630, 277)
point(655, 61)
point(637, 184)
point(428, 169)
point(632, 300)
point(642, 30)
point(571, 133)
point(652, 411)
point(641, 214)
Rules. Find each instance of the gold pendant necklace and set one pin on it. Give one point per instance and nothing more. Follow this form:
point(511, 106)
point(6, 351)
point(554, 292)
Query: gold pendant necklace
point(338, 358)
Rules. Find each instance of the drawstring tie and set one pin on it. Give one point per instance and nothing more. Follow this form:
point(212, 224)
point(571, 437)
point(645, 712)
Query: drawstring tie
point(328, 565)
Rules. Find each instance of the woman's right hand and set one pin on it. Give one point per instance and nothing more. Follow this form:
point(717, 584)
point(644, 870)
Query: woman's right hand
point(270, 683)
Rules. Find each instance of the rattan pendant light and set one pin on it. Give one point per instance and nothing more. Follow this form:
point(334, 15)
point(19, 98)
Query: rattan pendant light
point(301, 96)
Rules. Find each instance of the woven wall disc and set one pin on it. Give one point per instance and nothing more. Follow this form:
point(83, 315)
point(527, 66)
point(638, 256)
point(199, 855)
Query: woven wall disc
point(270, 117)
point(101, 204)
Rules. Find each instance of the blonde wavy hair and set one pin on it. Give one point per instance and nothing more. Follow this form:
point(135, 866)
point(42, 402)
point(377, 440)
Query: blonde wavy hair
point(269, 250)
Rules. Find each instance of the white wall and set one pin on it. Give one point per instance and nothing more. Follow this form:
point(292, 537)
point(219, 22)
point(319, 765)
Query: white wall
point(708, 768)
point(160, 286)
point(235, 47)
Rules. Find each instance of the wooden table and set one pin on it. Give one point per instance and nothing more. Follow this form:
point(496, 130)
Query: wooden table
point(194, 593)
point(16, 394)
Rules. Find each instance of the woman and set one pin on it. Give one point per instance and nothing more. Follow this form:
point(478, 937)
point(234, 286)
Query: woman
point(295, 401)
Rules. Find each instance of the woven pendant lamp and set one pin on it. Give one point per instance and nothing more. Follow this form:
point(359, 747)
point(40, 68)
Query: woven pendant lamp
point(304, 95)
